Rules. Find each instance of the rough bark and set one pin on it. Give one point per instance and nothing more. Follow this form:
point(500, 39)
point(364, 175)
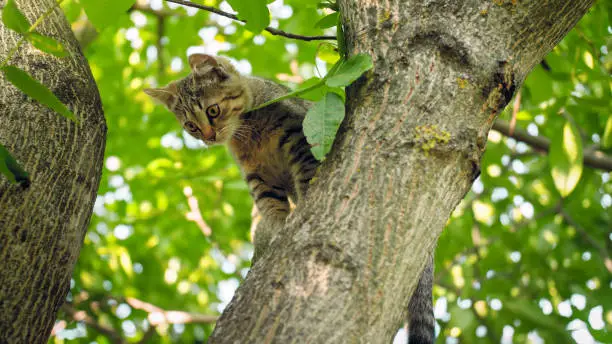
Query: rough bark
point(346, 264)
point(42, 226)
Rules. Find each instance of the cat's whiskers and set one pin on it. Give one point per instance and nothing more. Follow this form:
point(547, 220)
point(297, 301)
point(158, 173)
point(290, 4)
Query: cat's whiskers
point(236, 131)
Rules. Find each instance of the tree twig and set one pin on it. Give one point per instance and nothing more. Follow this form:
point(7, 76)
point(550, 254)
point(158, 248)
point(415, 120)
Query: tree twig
point(158, 316)
point(155, 316)
point(588, 238)
point(161, 28)
point(592, 158)
point(79, 315)
point(271, 30)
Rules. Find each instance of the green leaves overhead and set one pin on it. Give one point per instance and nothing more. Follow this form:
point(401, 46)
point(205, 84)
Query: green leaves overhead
point(47, 44)
point(107, 12)
point(322, 122)
point(607, 137)
point(565, 159)
point(328, 21)
point(36, 90)
point(350, 70)
point(10, 168)
point(499, 233)
point(14, 19)
point(255, 12)
point(530, 312)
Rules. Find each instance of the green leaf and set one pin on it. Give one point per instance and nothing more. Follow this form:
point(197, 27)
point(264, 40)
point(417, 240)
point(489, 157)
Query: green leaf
point(318, 93)
point(255, 12)
point(607, 137)
point(329, 4)
point(11, 169)
point(36, 90)
point(328, 52)
point(565, 158)
point(14, 19)
point(350, 70)
point(47, 44)
point(107, 12)
point(322, 122)
point(531, 313)
point(126, 263)
point(328, 21)
point(340, 39)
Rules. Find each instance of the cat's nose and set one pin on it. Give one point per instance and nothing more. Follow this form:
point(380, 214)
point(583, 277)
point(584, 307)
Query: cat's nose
point(209, 134)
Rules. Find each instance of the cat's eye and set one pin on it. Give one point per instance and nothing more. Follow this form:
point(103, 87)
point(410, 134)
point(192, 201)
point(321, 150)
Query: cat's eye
point(191, 127)
point(213, 111)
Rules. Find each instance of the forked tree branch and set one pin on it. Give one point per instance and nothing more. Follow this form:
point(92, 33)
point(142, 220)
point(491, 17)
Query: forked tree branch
point(271, 30)
point(592, 158)
point(347, 261)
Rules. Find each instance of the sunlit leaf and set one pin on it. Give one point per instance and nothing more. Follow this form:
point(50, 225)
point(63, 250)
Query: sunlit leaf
point(47, 44)
point(126, 263)
point(36, 90)
point(14, 19)
point(328, 53)
point(105, 13)
point(606, 142)
point(319, 92)
point(350, 70)
point(329, 4)
point(255, 12)
point(322, 122)
point(565, 158)
point(328, 21)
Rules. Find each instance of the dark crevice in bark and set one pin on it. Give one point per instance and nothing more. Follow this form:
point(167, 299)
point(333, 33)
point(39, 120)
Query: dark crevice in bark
point(504, 81)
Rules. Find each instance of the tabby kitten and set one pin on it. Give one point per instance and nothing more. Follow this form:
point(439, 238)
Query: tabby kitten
point(212, 103)
point(268, 144)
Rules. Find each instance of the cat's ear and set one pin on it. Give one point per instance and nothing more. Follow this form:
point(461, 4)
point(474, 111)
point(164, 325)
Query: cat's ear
point(201, 64)
point(165, 95)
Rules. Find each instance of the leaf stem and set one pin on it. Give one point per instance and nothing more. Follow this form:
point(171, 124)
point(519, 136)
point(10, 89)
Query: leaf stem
point(295, 93)
point(31, 29)
point(299, 92)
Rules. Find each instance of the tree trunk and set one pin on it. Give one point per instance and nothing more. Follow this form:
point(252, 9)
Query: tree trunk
point(42, 226)
point(349, 258)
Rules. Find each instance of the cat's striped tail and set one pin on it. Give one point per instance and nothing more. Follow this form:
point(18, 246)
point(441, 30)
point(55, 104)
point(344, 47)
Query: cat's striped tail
point(421, 321)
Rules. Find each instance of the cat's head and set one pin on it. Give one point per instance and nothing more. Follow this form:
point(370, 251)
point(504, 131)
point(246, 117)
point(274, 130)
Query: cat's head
point(209, 101)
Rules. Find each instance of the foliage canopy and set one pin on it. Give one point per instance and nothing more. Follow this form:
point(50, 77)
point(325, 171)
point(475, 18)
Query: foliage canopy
point(525, 256)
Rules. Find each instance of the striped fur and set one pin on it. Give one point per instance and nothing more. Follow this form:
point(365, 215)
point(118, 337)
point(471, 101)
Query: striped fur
point(421, 321)
point(269, 145)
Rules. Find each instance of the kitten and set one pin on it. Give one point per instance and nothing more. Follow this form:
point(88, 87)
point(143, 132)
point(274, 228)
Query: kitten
point(268, 144)
point(212, 104)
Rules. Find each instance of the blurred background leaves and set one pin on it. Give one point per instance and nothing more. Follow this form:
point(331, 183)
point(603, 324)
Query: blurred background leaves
point(525, 256)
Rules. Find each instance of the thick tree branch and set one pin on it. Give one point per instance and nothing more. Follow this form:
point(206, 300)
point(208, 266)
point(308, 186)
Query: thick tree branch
point(42, 227)
point(592, 158)
point(360, 239)
point(271, 30)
